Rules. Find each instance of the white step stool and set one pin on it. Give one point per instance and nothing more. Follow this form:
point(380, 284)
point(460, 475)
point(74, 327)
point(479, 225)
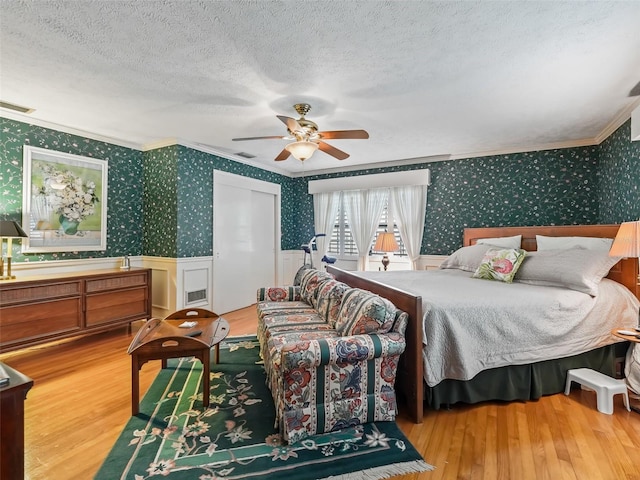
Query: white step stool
point(604, 386)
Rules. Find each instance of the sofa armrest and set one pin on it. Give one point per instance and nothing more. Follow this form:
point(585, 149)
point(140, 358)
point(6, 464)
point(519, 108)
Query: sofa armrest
point(340, 351)
point(327, 384)
point(278, 294)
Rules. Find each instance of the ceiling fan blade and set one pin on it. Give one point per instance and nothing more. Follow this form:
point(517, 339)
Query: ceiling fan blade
point(284, 154)
point(279, 137)
point(339, 134)
point(333, 151)
point(291, 123)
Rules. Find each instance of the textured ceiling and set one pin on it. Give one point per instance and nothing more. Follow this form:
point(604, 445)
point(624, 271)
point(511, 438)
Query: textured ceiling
point(423, 78)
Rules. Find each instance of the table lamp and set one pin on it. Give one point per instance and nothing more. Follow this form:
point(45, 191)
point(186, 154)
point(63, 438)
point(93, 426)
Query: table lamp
point(386, 242)
point(627, 244)
point(8, 230)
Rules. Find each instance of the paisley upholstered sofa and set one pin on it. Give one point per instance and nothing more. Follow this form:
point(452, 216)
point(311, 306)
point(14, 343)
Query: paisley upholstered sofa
point(330, 352)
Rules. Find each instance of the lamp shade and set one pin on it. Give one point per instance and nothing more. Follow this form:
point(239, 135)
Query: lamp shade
point(627, 241)
point(302, 150)
point(11, 229)
point(386, 242)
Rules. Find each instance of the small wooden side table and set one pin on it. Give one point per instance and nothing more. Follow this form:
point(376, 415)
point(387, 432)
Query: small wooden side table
point(12, 396)
point(163, 339)
point(634, 339)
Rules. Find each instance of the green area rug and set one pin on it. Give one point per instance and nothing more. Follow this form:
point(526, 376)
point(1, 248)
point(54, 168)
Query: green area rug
point(174, 437)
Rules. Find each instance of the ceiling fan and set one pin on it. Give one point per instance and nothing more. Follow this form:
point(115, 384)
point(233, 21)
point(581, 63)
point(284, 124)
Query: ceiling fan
point(307, 138)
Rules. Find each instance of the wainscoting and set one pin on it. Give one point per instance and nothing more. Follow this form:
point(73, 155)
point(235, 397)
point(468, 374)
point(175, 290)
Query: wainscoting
point(425, 262)
point(176, 283)
point(179, 283)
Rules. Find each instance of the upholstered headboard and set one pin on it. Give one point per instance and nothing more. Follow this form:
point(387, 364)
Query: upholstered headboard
point(624, 272)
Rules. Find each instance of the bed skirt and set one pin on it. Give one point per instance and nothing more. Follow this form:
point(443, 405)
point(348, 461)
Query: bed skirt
point(522, 382)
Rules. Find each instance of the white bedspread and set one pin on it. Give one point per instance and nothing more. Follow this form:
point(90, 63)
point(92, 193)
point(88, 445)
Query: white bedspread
point(472, 325)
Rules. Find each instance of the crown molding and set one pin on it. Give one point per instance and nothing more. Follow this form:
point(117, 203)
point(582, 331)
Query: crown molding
point(24, 118)
point(166, 142)
point(610, 128)
point(229, 156)
point(585, 142)
point(369, 166)
point(459, 156)
point(617, 122)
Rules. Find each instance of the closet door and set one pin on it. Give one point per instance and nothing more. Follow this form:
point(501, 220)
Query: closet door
point(245, 235)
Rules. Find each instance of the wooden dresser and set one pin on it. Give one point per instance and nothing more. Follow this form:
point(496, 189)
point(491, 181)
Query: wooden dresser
point(42, 308)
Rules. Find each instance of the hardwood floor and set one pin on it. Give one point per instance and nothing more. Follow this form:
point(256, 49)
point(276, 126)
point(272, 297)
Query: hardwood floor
point(81, 400)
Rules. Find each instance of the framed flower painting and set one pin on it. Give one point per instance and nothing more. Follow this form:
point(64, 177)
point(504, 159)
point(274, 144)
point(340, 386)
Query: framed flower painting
point(64, 204)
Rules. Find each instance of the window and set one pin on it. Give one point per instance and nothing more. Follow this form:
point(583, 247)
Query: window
point(342, 243)
point(383, 226)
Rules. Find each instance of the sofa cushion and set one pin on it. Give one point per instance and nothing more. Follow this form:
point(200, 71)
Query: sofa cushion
point(330, 295)
point(283, 308)
point(364, 312)
point(289, 322)
point(309, 284)
point(301, 271)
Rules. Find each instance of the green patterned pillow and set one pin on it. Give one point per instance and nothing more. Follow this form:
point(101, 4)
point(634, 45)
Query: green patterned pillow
point(500, 264)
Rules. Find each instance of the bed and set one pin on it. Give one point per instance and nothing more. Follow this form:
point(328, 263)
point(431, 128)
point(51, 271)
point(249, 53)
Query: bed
point(515, 377)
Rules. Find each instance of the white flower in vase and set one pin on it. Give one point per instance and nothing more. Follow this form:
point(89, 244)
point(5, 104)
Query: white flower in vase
point(68, 196)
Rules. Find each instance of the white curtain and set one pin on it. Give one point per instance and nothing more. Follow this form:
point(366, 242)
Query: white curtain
point(325, 209)
point(364, 208)
point(409, 209)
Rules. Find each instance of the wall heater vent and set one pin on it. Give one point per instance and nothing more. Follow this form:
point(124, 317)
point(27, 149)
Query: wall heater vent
point(195, 296)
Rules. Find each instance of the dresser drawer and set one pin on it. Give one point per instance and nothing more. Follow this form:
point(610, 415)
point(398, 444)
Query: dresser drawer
point(28, 293)
point(116, 282)
point(21, 323)
point(116, 306)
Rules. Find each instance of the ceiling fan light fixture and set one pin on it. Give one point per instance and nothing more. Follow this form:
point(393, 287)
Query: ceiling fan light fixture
point(306, 137)
point(302, 150)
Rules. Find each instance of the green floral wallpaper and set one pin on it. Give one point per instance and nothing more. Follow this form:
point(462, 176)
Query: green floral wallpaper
point(160, 202)
point(179, 201)
point(619, 177)
point(124, 216)
point(554, 187)
point(160, 196)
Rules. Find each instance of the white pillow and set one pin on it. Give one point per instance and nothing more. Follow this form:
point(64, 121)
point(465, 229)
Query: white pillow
point(573, 268)
point(556, 243)
point(467, 259)
point(502, 242)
